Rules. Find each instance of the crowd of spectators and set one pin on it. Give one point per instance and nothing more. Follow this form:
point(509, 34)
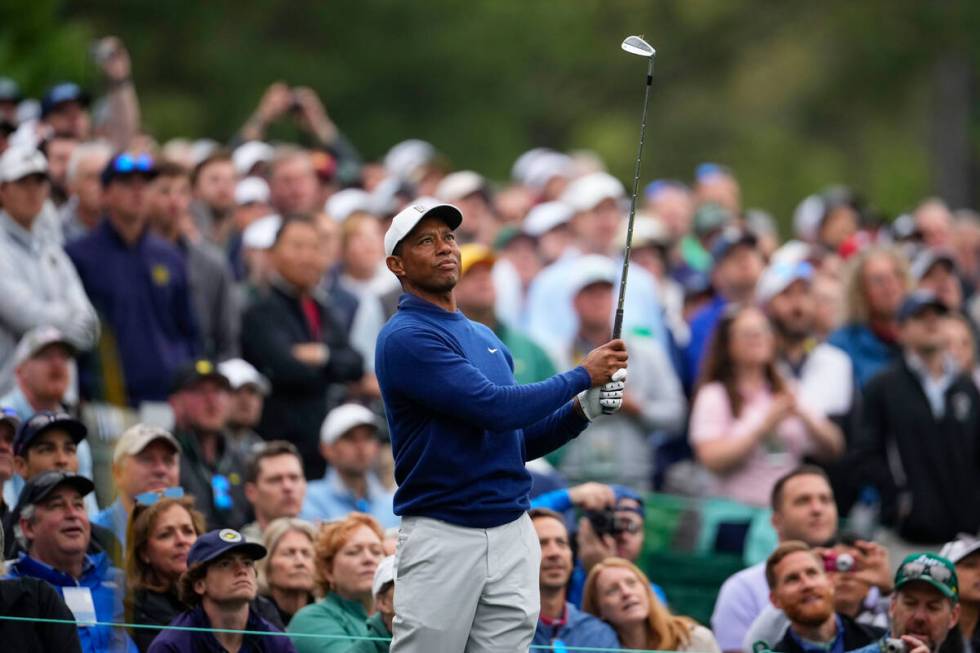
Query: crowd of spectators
point(192, 432)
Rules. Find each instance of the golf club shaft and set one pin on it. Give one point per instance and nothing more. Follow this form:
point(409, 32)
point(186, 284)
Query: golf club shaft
point(618, 323)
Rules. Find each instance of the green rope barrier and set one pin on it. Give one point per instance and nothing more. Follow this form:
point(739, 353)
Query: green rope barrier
point(539, 647)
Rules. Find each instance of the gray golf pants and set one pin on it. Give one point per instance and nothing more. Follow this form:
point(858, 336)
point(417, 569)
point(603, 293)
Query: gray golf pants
point(465, 590)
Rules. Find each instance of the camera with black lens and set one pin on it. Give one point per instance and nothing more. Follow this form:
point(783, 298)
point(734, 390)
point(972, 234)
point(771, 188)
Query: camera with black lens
point(893, 645)
point(605, 522)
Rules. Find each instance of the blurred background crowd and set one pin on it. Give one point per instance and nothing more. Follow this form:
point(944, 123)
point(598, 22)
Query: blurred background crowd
point(187, 324)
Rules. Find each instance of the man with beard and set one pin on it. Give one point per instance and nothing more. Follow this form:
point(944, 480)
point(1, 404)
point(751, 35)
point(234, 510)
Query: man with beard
point(925, 605)
point(822, 372)
point(800, 588)
point(803, 508)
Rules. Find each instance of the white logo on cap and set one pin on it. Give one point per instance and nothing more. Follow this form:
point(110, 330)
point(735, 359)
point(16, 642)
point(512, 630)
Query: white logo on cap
point(419, 208)
point(228, 535)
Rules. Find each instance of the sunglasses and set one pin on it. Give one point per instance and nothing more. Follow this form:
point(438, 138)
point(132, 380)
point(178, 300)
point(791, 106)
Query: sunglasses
point(127, 163)
point(149, 498)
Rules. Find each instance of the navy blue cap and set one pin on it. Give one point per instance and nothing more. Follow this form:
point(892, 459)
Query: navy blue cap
point(622, 492)
point(60, 94)
point(214, 544)
point(10, 417)
point(190, 373)
point(658, 186)
point(918, 301)
point(126, 164)
point(40, 486)
point(728, 240)
point(696, 283)
point(46, 421)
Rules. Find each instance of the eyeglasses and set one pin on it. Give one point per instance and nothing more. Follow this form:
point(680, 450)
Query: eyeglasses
point(126, 163)
point(149, 498)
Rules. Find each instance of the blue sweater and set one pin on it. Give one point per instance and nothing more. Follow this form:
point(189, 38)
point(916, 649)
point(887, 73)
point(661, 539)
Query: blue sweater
point(461, 429)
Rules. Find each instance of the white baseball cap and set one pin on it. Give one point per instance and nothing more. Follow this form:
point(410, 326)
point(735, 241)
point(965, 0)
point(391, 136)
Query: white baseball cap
point(383, 574)
point(545, 217)
point(544, 167)
point(406, 158)
point(345, 202)
point(411, 215)
point(458, 185)
point(590, 269)
point(343, 418)
point(779, 276)
point(248, 154)
point(32, 342)
point(241, 373)
point(19, 161)
point(585, 193)
point(251, 190)
point(955, 551)
point(138, 437)
point(261, 234)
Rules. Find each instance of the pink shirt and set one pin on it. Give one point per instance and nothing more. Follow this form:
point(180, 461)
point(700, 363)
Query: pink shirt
point(776, 454)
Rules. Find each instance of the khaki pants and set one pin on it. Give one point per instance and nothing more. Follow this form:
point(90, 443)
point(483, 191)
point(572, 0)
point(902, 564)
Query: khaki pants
point(465, 589)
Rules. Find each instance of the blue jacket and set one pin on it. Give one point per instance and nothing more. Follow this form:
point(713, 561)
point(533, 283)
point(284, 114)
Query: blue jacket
point(190, 641)
point(106, 584)
point(461, 429)
point(869, 354)
point(702, 326)
point(142, 297)
point(579, 629)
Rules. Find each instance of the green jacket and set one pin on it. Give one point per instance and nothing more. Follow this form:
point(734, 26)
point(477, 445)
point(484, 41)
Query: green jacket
point(531, 362)
point(376, 628)
point(334, 616)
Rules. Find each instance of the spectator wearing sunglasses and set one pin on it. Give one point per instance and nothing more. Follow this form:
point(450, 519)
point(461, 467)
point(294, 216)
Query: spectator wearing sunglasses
point(138, 283)
point(38, 284)
point(210, 469)
point(146, 459)
point(162, 530)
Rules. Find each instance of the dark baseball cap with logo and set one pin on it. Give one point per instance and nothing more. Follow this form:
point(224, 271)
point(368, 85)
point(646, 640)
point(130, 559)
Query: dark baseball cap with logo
point(190, 374)
point(932, 569)
point(41, 486)
point(215, 544)
point(43, 422)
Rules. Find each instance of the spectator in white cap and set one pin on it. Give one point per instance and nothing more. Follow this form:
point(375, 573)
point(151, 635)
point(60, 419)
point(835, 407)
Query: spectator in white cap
point(38, 284)
point(252, 158)
point(821, 373)
point(251, 202)
point(349, 443)
point(345, 203)
point(964, 552)
point(546, 174)
point(470, 192)
point(146, 460)
point(549, 223)
point(379, 624)
point(257, 239)
point(616, 449)
point(43, 363)
point(249, 388)
point(415, 160)
point(936, 271)
point(84, 207)
point(597, 202)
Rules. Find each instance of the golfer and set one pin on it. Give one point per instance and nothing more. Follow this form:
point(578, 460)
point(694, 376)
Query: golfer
point(468, 558)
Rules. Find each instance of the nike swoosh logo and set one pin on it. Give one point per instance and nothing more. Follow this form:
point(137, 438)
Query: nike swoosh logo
point(492, 351)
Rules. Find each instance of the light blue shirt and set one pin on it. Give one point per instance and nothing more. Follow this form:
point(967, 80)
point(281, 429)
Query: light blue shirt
point(329, 499)
point(11, 488)
point(115, 518)
point(934, 387)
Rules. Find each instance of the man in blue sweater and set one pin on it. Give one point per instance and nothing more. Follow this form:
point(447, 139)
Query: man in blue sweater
point(461, 429)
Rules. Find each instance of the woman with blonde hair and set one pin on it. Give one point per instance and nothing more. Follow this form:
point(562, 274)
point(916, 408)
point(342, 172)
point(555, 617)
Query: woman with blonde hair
point(347, 552)
point(619, 593)
point(285, 575)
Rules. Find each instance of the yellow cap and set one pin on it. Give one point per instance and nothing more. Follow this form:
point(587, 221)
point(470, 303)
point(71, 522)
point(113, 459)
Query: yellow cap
point(473, 253)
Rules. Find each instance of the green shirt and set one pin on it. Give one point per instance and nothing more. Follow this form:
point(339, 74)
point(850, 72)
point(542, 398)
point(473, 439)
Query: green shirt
point(531, 362)
point(376, 628)
point(334, 616)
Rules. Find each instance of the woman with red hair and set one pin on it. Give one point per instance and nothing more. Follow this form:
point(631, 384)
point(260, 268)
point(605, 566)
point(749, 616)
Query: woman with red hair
point(347, 552)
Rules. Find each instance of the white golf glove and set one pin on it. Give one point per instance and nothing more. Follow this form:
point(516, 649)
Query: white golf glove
point(605, 399)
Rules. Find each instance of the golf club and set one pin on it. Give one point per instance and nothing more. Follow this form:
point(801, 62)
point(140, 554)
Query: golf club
point(634, 45)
